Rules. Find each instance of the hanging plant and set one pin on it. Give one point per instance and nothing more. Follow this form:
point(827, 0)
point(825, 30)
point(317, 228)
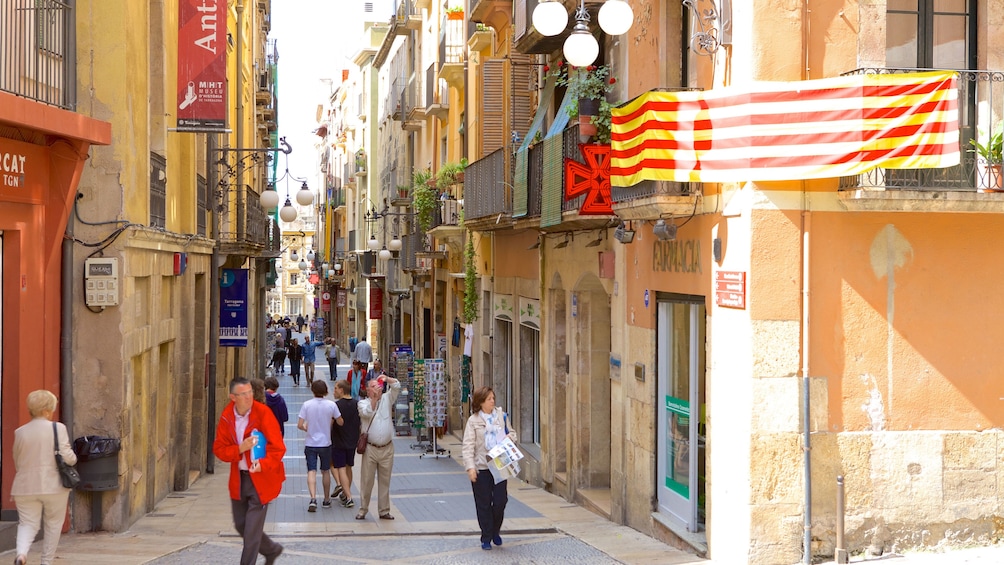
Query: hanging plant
point(470, 282)
point(424, 198)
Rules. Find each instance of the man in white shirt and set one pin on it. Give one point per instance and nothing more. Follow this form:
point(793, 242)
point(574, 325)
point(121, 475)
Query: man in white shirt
point(376, 413)
point(315, 418)
point(363, 353)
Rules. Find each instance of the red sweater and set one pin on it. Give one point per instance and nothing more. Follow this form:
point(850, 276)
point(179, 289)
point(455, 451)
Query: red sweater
point(269, 481)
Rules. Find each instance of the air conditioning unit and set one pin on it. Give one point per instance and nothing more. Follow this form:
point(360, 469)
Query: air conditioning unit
point(378, 11)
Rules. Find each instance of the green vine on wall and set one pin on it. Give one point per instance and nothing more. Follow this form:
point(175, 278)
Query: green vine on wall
point(470, 282)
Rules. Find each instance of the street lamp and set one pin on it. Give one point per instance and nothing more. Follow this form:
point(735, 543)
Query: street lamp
point(293, 256)
point(303, 265)
point(395, 244)
point(373, 244)
point(287, 213)
point(385, 254)
point(269, 197)
point(310, 255)
point(581, 48)
point(303, 196)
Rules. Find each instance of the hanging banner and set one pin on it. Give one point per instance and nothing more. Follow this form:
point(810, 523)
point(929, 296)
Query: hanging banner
point(340, 298)
point(376, 303)
point(202, 64)
point(233, 308)
point(325, 301)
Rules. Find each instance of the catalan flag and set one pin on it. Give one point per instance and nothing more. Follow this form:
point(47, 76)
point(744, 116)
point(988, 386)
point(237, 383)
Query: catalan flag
point(823, 128)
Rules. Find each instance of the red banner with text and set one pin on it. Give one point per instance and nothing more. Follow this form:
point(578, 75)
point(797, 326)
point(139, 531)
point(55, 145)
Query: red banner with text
point(376, 303)
point(202, 64)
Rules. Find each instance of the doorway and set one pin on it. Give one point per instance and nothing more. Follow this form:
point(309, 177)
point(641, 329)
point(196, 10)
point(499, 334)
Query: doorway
point(681, 354)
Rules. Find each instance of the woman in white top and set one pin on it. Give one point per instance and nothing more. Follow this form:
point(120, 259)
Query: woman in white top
point(38, 491)
point(485, 429)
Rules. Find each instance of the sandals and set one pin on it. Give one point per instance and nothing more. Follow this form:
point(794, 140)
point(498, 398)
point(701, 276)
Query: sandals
point(361, 516)
point(386, 517)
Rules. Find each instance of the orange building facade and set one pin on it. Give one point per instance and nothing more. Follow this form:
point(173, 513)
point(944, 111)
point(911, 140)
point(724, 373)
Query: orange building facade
point(43, 152)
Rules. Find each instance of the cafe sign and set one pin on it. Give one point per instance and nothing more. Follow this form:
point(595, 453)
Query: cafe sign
point(24, 171)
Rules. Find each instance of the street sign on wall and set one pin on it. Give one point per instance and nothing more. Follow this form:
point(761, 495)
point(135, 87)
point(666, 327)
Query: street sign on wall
point(730, 289)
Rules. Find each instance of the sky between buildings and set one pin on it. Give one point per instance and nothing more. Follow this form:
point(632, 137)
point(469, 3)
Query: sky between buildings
point(315, 39)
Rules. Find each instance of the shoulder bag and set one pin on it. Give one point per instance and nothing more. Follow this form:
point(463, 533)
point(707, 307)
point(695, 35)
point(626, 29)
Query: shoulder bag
point(67, 473)
point(364, 437)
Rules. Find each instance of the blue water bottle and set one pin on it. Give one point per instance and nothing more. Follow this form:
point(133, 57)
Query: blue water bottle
point(258, 451)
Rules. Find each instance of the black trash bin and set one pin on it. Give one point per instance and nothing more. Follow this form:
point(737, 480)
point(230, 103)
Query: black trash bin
point(97, 462)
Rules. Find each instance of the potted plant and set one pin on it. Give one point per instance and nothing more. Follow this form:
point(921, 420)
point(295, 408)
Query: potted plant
point(450, 174)
point(423, 198)
point(589, 87)
point(990, 150)
point(455, 13)
point(403, 190)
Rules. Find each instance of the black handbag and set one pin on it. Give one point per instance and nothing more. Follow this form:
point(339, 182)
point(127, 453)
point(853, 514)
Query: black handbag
point(67, 473)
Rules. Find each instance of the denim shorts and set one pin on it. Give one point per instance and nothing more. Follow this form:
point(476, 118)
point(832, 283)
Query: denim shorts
point(315, 453)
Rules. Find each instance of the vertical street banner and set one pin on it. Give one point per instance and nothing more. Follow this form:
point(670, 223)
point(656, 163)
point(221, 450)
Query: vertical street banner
point(376, 302)
point(202, 64)
point(234, 308)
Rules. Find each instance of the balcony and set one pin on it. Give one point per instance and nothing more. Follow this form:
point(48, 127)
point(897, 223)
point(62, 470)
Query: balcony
point(451, 52)
point(38, 51)
point(529, 40)
point(448, 223)
point(546, 206)
point(495, 13)
point(437, 93)
point(414, 104)
point(407, 18)
point(487, 193)
point(962, 188)
point(244, 224)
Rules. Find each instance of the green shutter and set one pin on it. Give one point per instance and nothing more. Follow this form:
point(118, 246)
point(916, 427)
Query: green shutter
point(552, 192)
point(519, 193)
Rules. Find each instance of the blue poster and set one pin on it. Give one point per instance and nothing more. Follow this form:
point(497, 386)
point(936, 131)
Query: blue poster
point(234, 308)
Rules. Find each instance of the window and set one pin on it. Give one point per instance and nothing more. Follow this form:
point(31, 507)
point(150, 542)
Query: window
point(158, 191)
point(529, 384)
point(936, 34)
point(294, 279)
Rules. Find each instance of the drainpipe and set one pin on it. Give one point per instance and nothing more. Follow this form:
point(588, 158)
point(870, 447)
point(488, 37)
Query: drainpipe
point(66, 328)
point(214, 303)
point(806, 425)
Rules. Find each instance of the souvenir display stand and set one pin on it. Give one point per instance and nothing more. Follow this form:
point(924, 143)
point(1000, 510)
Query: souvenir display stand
point(435, 400)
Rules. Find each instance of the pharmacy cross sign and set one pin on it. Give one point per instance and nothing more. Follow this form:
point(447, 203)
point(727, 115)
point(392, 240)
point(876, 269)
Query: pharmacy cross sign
point(591, 179)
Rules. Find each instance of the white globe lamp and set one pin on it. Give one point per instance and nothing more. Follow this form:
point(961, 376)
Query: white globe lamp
point(581, 48)
point(385, 254)
point(294, 256)
point(310, 255)
point(395, 244)
point(304, 197)
point(373, 244)
point(616, 17)
point(287, 213)
point(269, 198)
point(338, 266)
point(549, 18)
point(331, 273)
point(303, 265)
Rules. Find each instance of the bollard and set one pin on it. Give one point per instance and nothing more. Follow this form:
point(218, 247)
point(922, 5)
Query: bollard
point(840, 552)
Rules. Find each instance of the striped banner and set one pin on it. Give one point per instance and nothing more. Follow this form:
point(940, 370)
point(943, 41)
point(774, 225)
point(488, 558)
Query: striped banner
point(788, 130)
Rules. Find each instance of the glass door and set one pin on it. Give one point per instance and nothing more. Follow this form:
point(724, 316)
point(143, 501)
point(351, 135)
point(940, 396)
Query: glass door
point(681, 335)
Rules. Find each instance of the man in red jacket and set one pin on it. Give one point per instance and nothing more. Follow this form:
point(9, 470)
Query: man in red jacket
point(253, 482)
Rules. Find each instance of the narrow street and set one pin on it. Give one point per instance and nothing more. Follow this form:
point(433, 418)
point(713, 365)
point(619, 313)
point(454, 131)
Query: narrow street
point(431, 500)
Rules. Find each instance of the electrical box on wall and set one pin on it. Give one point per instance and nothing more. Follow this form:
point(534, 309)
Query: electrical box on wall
point(101, 281)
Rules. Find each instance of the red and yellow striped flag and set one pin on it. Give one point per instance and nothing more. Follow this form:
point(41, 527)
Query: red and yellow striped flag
point(788, 130)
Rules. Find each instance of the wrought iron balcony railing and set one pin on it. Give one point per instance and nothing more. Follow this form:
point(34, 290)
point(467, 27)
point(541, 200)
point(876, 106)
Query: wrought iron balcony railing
point(243, 222)
point(38, 51)
point(981, 110)
point(486, 191)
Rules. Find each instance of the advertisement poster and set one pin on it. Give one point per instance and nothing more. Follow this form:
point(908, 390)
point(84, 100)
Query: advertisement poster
point(233, 308)
point(202, 65)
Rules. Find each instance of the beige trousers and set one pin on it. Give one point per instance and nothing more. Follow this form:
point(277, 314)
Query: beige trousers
point(378, 461)
point(41, 510)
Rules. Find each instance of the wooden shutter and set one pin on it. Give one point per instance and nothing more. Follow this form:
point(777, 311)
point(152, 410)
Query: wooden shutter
point(493, 108)
point(520, 111)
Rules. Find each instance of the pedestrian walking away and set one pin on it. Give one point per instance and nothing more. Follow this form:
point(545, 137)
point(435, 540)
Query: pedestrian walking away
point(486, 427)
point(295, 353)
point(376, 415)
point(343, 443)
point(309, 349)
point(363, 352)
point(358, 378)
point(331, 353)
point(316, 417)
point(38, 491)
point(279, 357)
point(277, 403)
point(255, 478)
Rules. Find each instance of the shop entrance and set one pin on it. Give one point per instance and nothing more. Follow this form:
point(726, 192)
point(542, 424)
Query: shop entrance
point(681, 424)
